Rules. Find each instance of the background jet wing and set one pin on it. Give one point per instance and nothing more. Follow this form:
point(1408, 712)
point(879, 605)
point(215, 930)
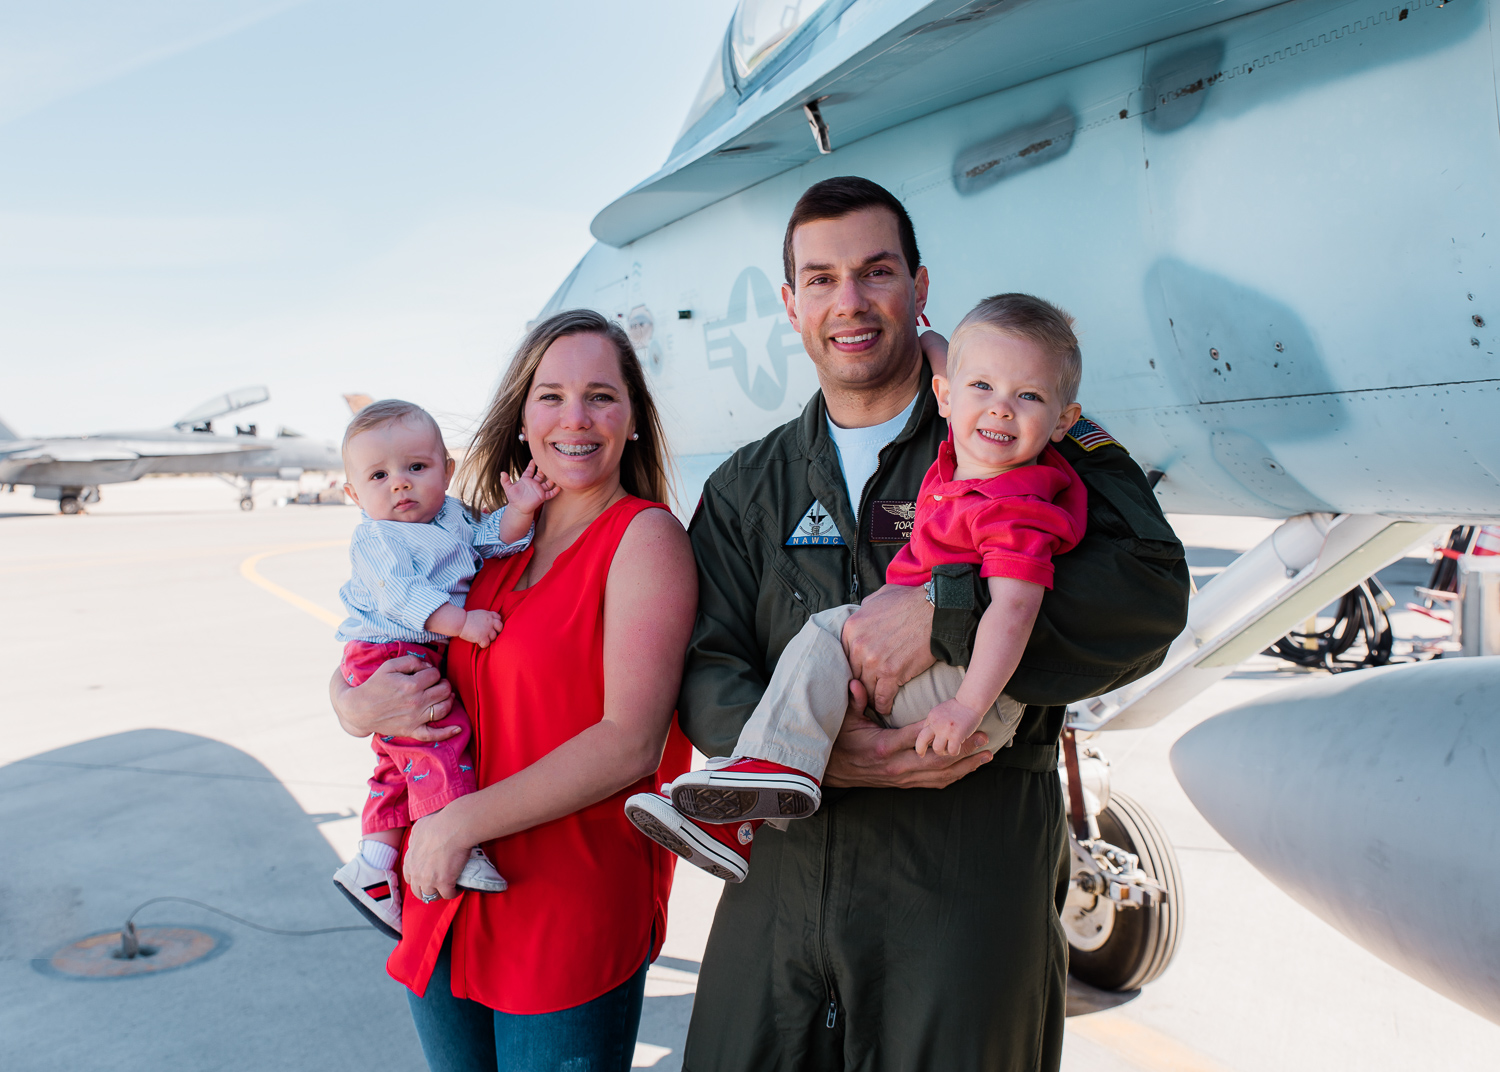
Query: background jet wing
point(226, 403)
point(120, 449)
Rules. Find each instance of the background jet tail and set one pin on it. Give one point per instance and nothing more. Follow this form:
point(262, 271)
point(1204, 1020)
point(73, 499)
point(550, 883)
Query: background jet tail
point(6, 432)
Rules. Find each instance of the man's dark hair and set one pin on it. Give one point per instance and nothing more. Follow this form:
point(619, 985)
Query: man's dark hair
point(835, 198)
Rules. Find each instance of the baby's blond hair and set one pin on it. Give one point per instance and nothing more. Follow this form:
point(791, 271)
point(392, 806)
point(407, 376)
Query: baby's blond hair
point(1027, 317)
point(384, 412)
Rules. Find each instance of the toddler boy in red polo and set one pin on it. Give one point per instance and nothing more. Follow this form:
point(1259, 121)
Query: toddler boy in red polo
point(999, 496)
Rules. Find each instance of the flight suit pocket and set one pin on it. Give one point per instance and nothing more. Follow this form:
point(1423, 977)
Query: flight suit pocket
point(1115, 511)
point(788, 596)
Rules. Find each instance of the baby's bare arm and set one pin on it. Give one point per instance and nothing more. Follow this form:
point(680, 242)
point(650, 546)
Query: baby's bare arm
point(1003, 631)
point(476, 626)
point(447, 620)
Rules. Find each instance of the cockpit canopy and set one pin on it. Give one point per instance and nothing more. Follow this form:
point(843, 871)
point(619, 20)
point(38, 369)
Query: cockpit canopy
point(757, 31)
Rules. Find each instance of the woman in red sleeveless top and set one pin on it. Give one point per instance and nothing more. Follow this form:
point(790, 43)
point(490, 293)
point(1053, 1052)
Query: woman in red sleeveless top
point(571, 708)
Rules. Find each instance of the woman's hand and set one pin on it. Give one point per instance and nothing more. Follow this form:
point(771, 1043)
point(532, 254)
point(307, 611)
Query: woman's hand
point(436, 853)
point(398, 700)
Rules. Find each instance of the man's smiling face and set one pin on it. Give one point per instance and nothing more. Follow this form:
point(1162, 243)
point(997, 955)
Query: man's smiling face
point(855, 301)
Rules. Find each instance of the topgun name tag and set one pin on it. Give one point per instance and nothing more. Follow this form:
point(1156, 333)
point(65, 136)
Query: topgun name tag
point(892, 520)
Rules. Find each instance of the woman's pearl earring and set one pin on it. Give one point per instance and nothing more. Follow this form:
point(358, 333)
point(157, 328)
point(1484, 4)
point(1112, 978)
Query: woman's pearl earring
point(522, 437)
point(635, 435)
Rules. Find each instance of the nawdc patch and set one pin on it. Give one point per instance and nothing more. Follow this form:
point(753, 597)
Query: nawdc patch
point(816, 527)
point(1090, 436)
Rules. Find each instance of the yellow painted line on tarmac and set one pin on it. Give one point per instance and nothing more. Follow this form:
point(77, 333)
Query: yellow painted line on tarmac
point(249, 572)
point(1142, 1046)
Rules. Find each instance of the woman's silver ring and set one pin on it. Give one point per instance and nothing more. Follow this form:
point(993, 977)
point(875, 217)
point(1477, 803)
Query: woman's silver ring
point(427, 898)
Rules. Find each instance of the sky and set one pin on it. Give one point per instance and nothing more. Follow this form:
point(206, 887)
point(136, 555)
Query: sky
point(323, 197)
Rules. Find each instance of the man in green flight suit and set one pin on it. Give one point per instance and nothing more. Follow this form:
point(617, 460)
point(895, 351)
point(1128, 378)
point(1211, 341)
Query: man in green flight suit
point(912, 922)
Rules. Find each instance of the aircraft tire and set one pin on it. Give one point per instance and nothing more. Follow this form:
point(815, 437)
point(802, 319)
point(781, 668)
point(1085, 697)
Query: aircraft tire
point(247, 503)
point(1142, 941)
point(68, 504)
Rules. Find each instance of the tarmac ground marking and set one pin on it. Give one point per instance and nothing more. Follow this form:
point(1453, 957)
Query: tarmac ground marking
point(251, 574)
point(1140, 1045)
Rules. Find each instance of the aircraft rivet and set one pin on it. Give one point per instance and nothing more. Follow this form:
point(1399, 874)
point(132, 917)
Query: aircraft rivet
point(1473, 342)
point(1478, 320)
point(1213, 352)
point(1280, 349)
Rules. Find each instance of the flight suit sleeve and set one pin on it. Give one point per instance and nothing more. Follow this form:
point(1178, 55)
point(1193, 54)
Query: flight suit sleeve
point(1118, 599)
point(725, 672)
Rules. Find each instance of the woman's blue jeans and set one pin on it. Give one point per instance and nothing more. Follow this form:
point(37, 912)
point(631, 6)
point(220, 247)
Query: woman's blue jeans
point(459, 1035)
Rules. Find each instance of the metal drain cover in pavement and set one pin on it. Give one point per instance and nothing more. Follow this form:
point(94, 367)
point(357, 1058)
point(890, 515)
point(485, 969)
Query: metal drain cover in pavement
point(162, 949)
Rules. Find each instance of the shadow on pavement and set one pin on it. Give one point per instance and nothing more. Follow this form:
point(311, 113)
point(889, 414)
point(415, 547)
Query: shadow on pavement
point(97, 828)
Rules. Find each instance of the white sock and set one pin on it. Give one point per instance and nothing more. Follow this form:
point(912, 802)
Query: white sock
point(377, 854)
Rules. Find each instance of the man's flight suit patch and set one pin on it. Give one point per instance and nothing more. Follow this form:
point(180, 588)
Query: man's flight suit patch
point(892, 520)
point(1090, 436)
point(816, 527)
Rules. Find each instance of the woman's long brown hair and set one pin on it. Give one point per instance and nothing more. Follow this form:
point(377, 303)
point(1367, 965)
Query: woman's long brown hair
point(497, 447)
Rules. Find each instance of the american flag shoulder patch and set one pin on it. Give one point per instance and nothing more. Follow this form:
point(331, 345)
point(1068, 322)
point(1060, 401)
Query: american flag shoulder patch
point(1090, 436)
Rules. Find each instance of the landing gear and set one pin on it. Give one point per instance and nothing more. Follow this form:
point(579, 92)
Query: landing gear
point(72, 500)
point(1116, 946)
point(245, 486)
point(1123, 913)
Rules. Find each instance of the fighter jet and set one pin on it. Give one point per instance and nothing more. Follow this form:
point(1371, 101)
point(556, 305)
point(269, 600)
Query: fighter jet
point(1272, 221)
point(70, 469)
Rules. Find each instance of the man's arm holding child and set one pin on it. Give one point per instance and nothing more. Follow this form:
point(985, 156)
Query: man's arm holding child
point(1004, 629)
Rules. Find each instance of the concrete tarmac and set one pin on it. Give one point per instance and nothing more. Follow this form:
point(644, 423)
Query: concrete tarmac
point(167, 733)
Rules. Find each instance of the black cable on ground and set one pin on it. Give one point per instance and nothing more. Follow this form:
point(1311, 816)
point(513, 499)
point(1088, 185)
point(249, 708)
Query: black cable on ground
point(242, 921)
point(1359, 616)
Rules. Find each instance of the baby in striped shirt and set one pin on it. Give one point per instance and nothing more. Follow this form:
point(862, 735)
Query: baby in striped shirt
point(412, 558)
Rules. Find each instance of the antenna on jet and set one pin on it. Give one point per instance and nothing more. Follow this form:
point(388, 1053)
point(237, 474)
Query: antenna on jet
point(358, 402)
point(819, 126)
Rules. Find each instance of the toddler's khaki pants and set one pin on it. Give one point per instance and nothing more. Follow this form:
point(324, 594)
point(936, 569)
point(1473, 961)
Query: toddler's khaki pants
point(803, 707)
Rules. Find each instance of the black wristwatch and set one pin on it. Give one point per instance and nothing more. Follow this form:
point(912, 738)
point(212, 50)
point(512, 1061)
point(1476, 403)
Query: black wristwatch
point(958, 596)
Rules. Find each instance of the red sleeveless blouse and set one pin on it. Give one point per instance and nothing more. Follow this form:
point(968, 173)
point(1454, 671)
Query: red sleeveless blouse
point(587, 889)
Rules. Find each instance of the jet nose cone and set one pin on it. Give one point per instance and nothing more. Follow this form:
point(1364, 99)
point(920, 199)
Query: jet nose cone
point(1371, 798)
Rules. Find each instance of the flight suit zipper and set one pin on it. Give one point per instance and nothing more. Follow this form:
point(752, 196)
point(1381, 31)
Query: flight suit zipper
point(825, 961)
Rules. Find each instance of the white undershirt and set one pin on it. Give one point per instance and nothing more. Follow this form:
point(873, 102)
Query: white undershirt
point(859, 450)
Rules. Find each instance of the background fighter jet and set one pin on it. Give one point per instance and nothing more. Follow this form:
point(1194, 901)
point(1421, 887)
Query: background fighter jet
point(70, 469)
point(1272, 221)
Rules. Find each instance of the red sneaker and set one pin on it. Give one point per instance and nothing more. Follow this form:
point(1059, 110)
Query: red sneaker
point(722, 851)
point(746, 789)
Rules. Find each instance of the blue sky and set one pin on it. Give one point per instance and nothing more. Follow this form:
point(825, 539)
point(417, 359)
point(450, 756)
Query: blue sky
point(324, 196)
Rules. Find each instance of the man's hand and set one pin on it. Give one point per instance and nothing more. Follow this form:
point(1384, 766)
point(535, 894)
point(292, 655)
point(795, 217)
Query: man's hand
point(889, 641)
point(398, 700)
point(481, 627)
point(866, 755)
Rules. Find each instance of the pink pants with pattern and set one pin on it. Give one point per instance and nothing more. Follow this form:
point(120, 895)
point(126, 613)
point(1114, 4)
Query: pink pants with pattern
point(411, 779)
